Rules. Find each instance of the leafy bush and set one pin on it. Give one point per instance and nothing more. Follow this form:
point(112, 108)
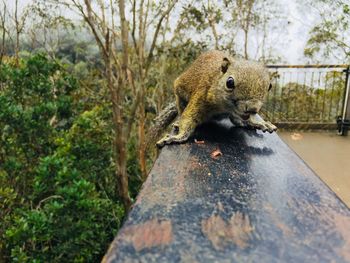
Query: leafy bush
point(57, 189)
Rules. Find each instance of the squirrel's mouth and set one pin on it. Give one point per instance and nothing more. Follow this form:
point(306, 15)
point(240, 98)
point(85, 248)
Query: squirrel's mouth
point(245, 116)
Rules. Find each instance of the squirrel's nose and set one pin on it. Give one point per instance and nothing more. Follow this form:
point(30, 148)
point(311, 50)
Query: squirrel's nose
point(252, 106)
point(249, 108)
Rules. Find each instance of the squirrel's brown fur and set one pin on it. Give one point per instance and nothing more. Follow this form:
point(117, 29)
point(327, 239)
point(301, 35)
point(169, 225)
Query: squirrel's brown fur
point(202, 93)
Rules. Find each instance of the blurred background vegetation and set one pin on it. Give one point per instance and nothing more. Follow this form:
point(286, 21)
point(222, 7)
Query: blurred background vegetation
point(81, 82)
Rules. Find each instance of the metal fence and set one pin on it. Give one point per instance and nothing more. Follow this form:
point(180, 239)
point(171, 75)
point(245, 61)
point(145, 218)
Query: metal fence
point(309, 95)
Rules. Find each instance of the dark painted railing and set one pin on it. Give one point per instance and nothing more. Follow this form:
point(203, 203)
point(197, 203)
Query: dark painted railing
point(233, 195)
point(307, 96)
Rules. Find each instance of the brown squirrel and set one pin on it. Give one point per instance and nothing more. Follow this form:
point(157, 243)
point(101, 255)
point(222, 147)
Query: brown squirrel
point(216, 84)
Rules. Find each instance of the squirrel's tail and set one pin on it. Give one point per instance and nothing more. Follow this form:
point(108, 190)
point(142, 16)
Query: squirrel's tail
point(161, 122)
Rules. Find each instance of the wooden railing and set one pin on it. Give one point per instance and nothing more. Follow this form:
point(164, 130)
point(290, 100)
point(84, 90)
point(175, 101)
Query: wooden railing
point(234, 195)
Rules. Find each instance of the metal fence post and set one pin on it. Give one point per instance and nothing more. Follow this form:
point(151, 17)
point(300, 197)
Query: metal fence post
point(344, 120)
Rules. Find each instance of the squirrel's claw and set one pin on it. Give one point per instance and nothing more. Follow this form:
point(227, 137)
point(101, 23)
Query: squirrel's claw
point(169, 139)
point(270, 127)
point(175, 127)
point(261, 125)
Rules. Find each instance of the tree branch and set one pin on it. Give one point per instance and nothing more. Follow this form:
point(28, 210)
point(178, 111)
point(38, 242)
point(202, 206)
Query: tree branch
point(156, 32)
point(88, 18)
point(134, 23)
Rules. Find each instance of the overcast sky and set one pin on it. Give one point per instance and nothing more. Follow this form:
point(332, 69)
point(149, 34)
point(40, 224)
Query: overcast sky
point(295, 30)
point(301, 20)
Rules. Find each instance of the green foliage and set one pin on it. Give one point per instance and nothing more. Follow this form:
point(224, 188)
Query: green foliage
point(33, 97)
point(57, 186)
point(74, 223)
point(330, 37)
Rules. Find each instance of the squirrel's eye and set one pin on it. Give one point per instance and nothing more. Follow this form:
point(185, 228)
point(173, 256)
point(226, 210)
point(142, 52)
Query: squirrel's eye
point(230, 83)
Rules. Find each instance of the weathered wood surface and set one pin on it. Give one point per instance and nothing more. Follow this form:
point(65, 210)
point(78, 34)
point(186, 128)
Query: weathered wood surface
point(257, 202)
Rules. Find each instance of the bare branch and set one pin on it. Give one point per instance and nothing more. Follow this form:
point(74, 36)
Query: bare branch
point(89, 20)
point(211, 22)
point(156, 32)
point(4, 31)
point(47, 199)
point(124, 29)
point(134, 23)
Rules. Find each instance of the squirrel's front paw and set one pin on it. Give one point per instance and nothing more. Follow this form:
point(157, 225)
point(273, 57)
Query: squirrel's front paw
point(261, 125)
point(175, 127)
point(268, 126)
point(169, 139)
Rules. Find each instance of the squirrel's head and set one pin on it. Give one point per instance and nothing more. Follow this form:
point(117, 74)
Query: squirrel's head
point(243, 85)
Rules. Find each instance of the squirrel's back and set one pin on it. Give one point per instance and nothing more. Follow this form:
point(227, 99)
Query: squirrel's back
point(200, 74)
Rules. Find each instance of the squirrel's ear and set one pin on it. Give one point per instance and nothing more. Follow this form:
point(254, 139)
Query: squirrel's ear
point(274, 75)
point(270, 86)
point(224, 65)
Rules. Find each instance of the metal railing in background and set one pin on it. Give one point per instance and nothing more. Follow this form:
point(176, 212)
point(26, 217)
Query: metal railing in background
point(306, 96)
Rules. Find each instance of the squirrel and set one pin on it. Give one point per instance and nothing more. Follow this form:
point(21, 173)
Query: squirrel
point(216, 84)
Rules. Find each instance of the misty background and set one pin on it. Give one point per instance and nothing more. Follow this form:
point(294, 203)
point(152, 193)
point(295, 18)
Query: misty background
point(280, 34)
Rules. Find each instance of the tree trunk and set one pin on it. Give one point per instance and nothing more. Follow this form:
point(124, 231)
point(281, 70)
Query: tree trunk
point(121, 173)
point(250, 4)
point(122, 176)
point(142, 114)
point(119, 141)
point(17, 34)
point(3, 37)
point(246, 44)
point(142, 140)
point(213, 29)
